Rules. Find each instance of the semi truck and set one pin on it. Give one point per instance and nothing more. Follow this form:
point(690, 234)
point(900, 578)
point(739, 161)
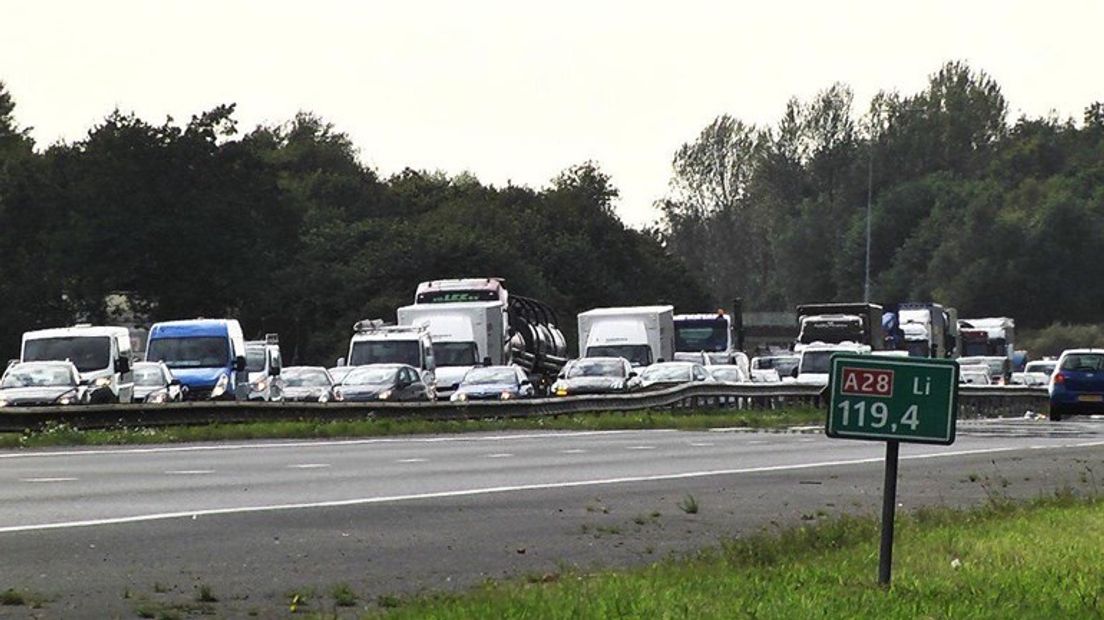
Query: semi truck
point(988, 337)
point(641, 334)
point(709, 334)
point(927, 329)
point(505, 328)
point(835, 323)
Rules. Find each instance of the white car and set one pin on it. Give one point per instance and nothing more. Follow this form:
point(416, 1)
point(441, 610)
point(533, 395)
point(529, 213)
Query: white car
point(816, 358)
point(728, 373)
point(667, 374)
point(974, 374)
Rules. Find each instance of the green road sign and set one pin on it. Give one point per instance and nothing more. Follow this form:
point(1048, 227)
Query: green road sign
point(909, 399)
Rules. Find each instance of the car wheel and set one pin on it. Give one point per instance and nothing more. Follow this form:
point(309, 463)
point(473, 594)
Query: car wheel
point(1055, 414)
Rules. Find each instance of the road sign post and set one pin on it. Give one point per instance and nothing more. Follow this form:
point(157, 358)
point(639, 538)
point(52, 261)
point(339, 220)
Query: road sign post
point(911, 400)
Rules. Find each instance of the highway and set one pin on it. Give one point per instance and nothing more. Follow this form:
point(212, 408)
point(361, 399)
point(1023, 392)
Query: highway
point(100, 530)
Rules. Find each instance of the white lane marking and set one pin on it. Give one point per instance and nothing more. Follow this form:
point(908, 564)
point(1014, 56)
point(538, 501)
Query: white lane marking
point(1089, 444)
point(640, 447)
point(573, 451)
point(756, 442)
point(1041, 447)
point(411, 461)
point(700, 444)
point(309, 466)
point(325, 444)
point(388, 499)
point(500, 455)
point(48, 479)
point(189, 472)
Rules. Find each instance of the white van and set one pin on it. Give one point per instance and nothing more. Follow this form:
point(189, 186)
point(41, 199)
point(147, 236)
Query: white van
point(101, 355)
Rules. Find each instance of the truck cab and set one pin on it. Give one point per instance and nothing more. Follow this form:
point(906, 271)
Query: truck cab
point(206, 355)
point(264, 364)
point(840, 322)
point(374, 342)
point(708, 334)
point(814, 366)
point(101, 354)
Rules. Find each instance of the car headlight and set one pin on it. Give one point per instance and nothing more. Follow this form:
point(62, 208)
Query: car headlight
point(260, 386)
point(559, 389)
point(324, 398)
point(102, 382)
point(220, 386)
point(3, 403)
point(157, 397)
point(384, 395)
point(338, 396)
point(459, 397)
point(65, 399)
point(505, 396)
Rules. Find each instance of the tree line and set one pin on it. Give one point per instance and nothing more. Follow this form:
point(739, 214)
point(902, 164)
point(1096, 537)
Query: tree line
point(993, 217)
point(283, 228)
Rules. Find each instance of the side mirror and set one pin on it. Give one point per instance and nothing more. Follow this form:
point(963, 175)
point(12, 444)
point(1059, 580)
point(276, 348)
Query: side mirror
point(633, 375)
point(793, 373)
point(239, 363)
point(275, 371)
point(487, 361)
point(174, 382)
point(340, 362)
point(122, 365)
point(525, 382)
point(405, 383)
point(84, 382)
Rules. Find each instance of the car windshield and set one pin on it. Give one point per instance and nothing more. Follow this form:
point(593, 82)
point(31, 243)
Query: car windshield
point(666, 373)
point(386, 352)
point(839, 329)
point(254, 359)
point(1083, 362)
point(149, 376)
point(455, 353)
point(312, 377)
point(694, 335)
point(490, 376)
point(370, 376)
point(725, 374)
point(596, 368)
point(38, 376)
point(198, 352)
point(86, 352)
point(637, 354)
point(816, 361)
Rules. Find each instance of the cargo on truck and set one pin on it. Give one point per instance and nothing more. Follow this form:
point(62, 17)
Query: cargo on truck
point(641, 334)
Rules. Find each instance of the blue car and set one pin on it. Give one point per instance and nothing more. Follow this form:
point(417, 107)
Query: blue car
point(1077, 385)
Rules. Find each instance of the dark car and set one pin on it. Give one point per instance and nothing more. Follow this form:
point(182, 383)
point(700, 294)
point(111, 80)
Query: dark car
point(667, 374)
point(493, 383)
point(596, 375)
point(1077, 385)
point(30, 384)
point(388, 382)
point(154, 384)
point(309, 384)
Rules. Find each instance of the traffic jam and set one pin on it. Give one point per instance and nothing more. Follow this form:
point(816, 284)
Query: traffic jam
point(468, 340)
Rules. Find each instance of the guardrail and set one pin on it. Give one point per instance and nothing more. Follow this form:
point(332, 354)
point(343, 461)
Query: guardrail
point(973, 402)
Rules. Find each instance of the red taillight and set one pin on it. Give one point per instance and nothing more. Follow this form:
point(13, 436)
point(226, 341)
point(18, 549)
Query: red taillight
point(1059, 378)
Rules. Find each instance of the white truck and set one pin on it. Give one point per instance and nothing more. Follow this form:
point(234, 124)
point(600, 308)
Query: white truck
point(464, 335)
point(374, 342)
point(988, 337)
point(641, 334)
point(708, 334)
point(100, 353)
point(815, 365)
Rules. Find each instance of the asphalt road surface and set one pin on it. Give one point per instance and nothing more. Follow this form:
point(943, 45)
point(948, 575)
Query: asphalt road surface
point(106, 532)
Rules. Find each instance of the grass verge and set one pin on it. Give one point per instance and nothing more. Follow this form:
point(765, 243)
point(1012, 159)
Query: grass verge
point(1003, 561)
point(63, 435)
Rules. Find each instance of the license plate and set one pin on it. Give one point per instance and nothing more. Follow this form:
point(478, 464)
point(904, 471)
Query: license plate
point(1091, 398)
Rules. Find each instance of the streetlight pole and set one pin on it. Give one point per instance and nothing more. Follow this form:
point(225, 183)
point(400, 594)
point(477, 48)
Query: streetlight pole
point(869, 200)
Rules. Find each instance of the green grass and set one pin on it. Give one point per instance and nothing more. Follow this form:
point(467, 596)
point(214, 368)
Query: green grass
point(1005, 561)
point(63, 435)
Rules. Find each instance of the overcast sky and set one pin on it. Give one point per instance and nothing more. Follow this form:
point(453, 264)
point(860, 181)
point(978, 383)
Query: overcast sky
point(520, 90)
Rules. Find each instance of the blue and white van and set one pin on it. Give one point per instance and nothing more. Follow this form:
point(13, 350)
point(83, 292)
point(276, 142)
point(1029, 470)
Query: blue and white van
point(206, 355)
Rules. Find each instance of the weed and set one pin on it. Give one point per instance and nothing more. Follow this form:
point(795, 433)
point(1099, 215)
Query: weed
point(343, 595)
point(689, 505)
point(387, 601)
point(204, 595)
point(12, 597)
